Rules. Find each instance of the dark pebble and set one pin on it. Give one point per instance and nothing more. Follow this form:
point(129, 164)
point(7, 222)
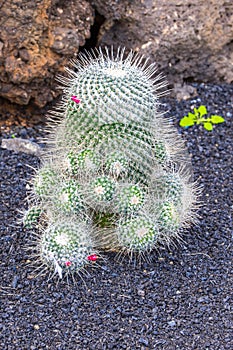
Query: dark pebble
point(15, 281)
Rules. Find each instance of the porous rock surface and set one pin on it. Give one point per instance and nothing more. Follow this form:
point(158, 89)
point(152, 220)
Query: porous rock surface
point(191, 40)
point(37, 38)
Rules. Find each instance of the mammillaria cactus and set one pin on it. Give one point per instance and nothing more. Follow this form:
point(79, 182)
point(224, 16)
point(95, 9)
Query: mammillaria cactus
point(115, 173)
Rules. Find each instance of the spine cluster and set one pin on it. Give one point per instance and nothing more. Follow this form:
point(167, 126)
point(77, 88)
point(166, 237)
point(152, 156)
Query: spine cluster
point(115, 173)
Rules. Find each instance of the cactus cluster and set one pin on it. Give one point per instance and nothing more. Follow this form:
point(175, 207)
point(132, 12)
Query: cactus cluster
point(115, 173)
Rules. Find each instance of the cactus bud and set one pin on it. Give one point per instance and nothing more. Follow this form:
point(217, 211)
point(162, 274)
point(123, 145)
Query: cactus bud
point(117, 165)
point(65, 246)
point(68, 197)
point(102, 189)
point(137, 234)
point(130, 198)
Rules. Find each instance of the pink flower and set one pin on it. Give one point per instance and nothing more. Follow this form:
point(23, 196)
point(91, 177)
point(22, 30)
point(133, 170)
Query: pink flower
point(68, 263)
point(93, 257)
point(75, 99)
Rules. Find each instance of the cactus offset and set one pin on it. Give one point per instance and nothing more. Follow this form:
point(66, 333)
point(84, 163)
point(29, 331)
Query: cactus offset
point(112, 158)
point(137, 234)
point(66, 246)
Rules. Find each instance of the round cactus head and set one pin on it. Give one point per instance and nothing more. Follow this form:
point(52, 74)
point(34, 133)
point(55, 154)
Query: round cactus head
point(102, 79)
point(85, 160)
point(130, 198)
point(68, 197)
point(102, 189)
point(137, 234)
point(117, 164)
point(65, 246)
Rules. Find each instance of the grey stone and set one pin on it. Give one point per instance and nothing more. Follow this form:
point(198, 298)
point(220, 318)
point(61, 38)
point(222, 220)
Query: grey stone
point(172, 323)
point(21, 145)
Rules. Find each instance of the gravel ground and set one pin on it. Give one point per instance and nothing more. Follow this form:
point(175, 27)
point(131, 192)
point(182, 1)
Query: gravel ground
point(180, 299)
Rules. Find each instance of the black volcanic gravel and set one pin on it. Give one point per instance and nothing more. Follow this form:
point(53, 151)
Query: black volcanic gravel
point(180, 299)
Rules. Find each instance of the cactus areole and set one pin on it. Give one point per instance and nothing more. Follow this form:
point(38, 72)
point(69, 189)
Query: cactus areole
point(110, 154)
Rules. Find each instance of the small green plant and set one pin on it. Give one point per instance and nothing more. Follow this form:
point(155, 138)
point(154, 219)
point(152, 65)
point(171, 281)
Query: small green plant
point(198, 118)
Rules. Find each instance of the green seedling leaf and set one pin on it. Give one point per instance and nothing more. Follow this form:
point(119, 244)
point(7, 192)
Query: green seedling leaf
point(216, 119)
point(208, 126)
point(191, 116)
point(196, 113)
point(202, 111)
point(187, 121)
